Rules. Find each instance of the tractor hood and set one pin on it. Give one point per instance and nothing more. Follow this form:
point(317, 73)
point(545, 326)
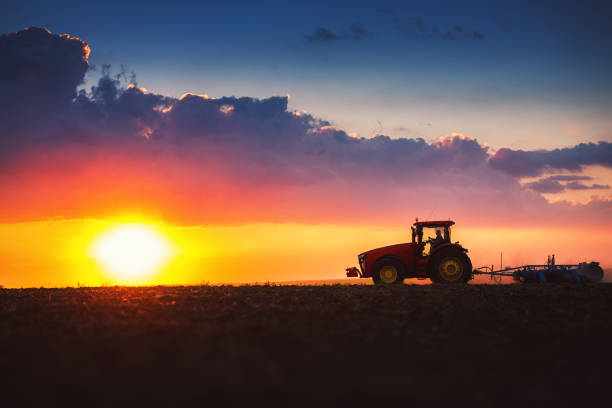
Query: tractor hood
point(390, 249)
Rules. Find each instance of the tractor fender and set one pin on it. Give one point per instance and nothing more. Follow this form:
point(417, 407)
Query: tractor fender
point(447, 245)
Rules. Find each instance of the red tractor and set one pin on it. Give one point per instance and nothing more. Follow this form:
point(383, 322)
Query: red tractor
point(442, 261)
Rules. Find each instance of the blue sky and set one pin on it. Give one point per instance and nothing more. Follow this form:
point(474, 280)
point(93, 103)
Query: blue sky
point(519, 75)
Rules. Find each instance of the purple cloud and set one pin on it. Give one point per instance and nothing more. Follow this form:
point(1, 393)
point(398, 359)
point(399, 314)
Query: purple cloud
point(575, 185)
point(546, 186)
point(561, 183)
point(569, 177)
point(522, 163)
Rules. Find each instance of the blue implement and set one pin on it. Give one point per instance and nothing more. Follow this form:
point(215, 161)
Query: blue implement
point(581, 273)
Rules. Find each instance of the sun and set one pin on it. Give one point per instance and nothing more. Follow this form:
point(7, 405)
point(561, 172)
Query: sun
point(131, 252)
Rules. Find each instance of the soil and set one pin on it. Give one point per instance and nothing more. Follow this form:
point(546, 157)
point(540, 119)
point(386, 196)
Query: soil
point(431, 345)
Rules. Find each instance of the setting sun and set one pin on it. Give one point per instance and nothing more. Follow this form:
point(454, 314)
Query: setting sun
point(131, 251)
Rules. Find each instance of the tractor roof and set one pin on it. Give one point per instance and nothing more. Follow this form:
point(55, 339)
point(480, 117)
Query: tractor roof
point(434, 223)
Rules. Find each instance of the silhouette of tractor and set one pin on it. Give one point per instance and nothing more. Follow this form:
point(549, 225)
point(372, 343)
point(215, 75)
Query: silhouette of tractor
point(445, 262)
point(436, 258)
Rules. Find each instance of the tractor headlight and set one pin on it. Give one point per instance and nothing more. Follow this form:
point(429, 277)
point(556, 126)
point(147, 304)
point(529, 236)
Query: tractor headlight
point(362, 263)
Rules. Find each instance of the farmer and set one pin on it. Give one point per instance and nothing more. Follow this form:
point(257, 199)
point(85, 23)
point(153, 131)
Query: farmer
point(437, 240)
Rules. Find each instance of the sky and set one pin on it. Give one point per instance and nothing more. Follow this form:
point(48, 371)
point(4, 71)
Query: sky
point(330, 124)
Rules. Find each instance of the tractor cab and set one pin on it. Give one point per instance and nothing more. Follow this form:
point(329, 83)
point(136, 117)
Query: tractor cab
point(434, 233)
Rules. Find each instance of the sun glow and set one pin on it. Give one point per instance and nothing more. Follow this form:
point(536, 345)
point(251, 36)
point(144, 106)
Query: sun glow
point(131, 252)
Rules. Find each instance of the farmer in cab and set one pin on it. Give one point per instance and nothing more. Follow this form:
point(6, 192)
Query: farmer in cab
point(437, 240)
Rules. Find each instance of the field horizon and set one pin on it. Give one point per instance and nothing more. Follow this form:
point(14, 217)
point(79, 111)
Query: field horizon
point(480, 280)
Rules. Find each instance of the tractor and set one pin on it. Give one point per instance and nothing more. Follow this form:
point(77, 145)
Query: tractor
point(437, 258)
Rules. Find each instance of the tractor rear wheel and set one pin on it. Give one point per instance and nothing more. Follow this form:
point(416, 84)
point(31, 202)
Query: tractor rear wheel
point(388, 271)
point(450, 265)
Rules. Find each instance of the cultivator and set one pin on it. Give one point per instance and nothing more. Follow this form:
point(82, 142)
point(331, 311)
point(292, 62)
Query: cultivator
point(550, 272)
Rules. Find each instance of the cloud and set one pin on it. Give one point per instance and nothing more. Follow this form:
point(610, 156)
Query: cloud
point(569, 177)
point(358, 32)
point(39, 73)
point(575, 185)
point(453, 33)
point(534, 163)
point(409, 26)
point(197, 159)
point(412, 26)
point(553, 185)
point(322, 35)
point(416, 27)
point(355, 31)
point(546, 186)
point(38, 67)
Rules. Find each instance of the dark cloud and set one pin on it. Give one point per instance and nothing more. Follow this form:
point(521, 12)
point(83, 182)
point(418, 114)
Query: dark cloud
point(561, 183)
point(569, 177)
point(419, 24)
point(416, 27)
point(38, 67)
point(455, 32)
point(477, 36)
point(410, 26)
point(322, 35)
point(39, 73)
point(533, 163)
point(546, 186)
point(448, 35)
point(357, 31)
point(575, 185)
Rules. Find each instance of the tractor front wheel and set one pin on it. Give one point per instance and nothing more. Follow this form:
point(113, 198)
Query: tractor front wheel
point(450, 265)
point(388, 271)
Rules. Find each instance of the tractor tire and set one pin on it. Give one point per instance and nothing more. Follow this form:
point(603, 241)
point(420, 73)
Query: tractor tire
point(388, 271)
point(450, 265)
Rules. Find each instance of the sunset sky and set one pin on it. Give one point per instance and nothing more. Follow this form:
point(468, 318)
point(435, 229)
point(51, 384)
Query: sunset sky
point(273, 141)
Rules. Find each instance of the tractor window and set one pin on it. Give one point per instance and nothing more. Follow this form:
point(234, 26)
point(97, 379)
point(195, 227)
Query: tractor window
point(429, 235)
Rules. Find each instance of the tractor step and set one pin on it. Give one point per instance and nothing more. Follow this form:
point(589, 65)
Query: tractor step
point(421, 268)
